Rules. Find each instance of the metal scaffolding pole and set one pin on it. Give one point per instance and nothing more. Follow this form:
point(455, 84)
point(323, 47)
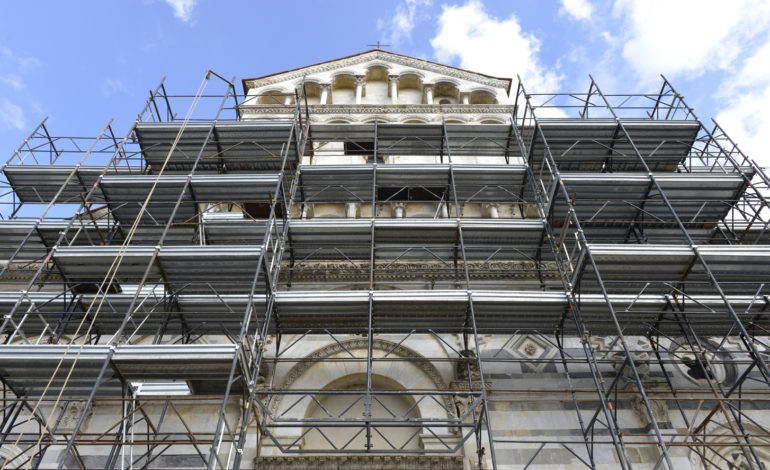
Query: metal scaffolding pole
point(744, 335)
point(111, 274)
point(59, 240)
point(471, 314)
point(549, 269)
point(574, 306)
point(297, 134)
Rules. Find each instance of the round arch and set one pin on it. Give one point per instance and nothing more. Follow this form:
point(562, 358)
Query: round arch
point(308, 374)
point(351, 406)
point(727, 452)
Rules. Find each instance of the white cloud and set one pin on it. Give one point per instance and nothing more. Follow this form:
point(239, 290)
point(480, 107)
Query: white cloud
point(182, 9)
point(747, 93)
point(10, 59)
point(12, 80)
point(578, 9)
point(12, 115)
point(402, 23)
point(485, 44)
point(729, 41)
point(113, 86)
point(687, 37)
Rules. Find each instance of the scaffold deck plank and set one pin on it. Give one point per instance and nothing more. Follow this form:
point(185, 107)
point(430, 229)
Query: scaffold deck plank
point(625, 197)
point(181, 267)
point(503, 312)
point(739, 269)
point(423, 139)
point(353, 183)
point(126, 195)
point(28, 368)
point(235, 146)
point(598, 144)
point(40, 183)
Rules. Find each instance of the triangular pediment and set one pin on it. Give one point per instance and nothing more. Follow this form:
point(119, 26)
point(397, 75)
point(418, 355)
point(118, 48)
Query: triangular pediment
point(359, 62)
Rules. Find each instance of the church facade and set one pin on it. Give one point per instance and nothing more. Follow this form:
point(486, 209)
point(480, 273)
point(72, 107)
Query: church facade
point(384, 262)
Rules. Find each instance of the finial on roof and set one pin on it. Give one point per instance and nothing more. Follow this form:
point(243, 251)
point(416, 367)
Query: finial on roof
point(378, 45)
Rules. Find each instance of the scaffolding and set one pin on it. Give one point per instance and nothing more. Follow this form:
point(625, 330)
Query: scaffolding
point(637, 246)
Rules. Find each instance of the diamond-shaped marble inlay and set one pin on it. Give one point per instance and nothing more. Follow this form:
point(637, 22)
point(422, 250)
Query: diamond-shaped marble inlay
point(533, 347)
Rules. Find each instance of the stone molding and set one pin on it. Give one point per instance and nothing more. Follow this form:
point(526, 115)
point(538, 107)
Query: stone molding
point(302, 367)
point(381, 109)
point(412, 62)
point(403, 270)
point(360, 462)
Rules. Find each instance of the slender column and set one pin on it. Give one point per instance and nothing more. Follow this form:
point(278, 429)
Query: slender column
point(428, 93)
point(352, 209)
point(465, 98)
point(393, 84)
point(398, 210)
point(324, 93)
point(360, 81)
point(492, 209)
point(287, 100)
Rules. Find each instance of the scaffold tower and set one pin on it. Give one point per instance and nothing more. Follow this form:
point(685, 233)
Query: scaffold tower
point(384, 262)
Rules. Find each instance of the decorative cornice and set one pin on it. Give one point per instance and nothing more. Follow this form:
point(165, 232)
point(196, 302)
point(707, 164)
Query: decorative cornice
point(385, 57)
point(382, 109)
point(332, 271)
point(382, 462)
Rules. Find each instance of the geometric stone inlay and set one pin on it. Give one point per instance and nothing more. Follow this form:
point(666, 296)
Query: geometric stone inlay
point(535, 348)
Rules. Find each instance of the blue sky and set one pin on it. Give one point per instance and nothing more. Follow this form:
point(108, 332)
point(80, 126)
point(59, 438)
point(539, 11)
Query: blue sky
point(84, 62)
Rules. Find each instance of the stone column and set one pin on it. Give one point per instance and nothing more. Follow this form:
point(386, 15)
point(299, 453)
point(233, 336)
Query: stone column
point(287, 100)
point(398, 210)
point(324, 93)
point(428, 93)
point(352, 209)
point(493, 210)
point(393, 83)
point(465, 98)
point(360, 80)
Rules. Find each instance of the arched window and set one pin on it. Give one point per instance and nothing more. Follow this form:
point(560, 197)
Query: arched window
point(344, 89)
point(409, 89)
point(482, 97)
point(275, 96)
point(376, 91)
point(445, 93)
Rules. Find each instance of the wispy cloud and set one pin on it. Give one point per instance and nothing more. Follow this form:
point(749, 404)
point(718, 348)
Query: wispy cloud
point(12, 60)
point(469, 34)
point(12, 115)
point(114, 86)
point(578, 9)
point(399, 27)
point(12, 85)
point(12, 80)
point(183, 9)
